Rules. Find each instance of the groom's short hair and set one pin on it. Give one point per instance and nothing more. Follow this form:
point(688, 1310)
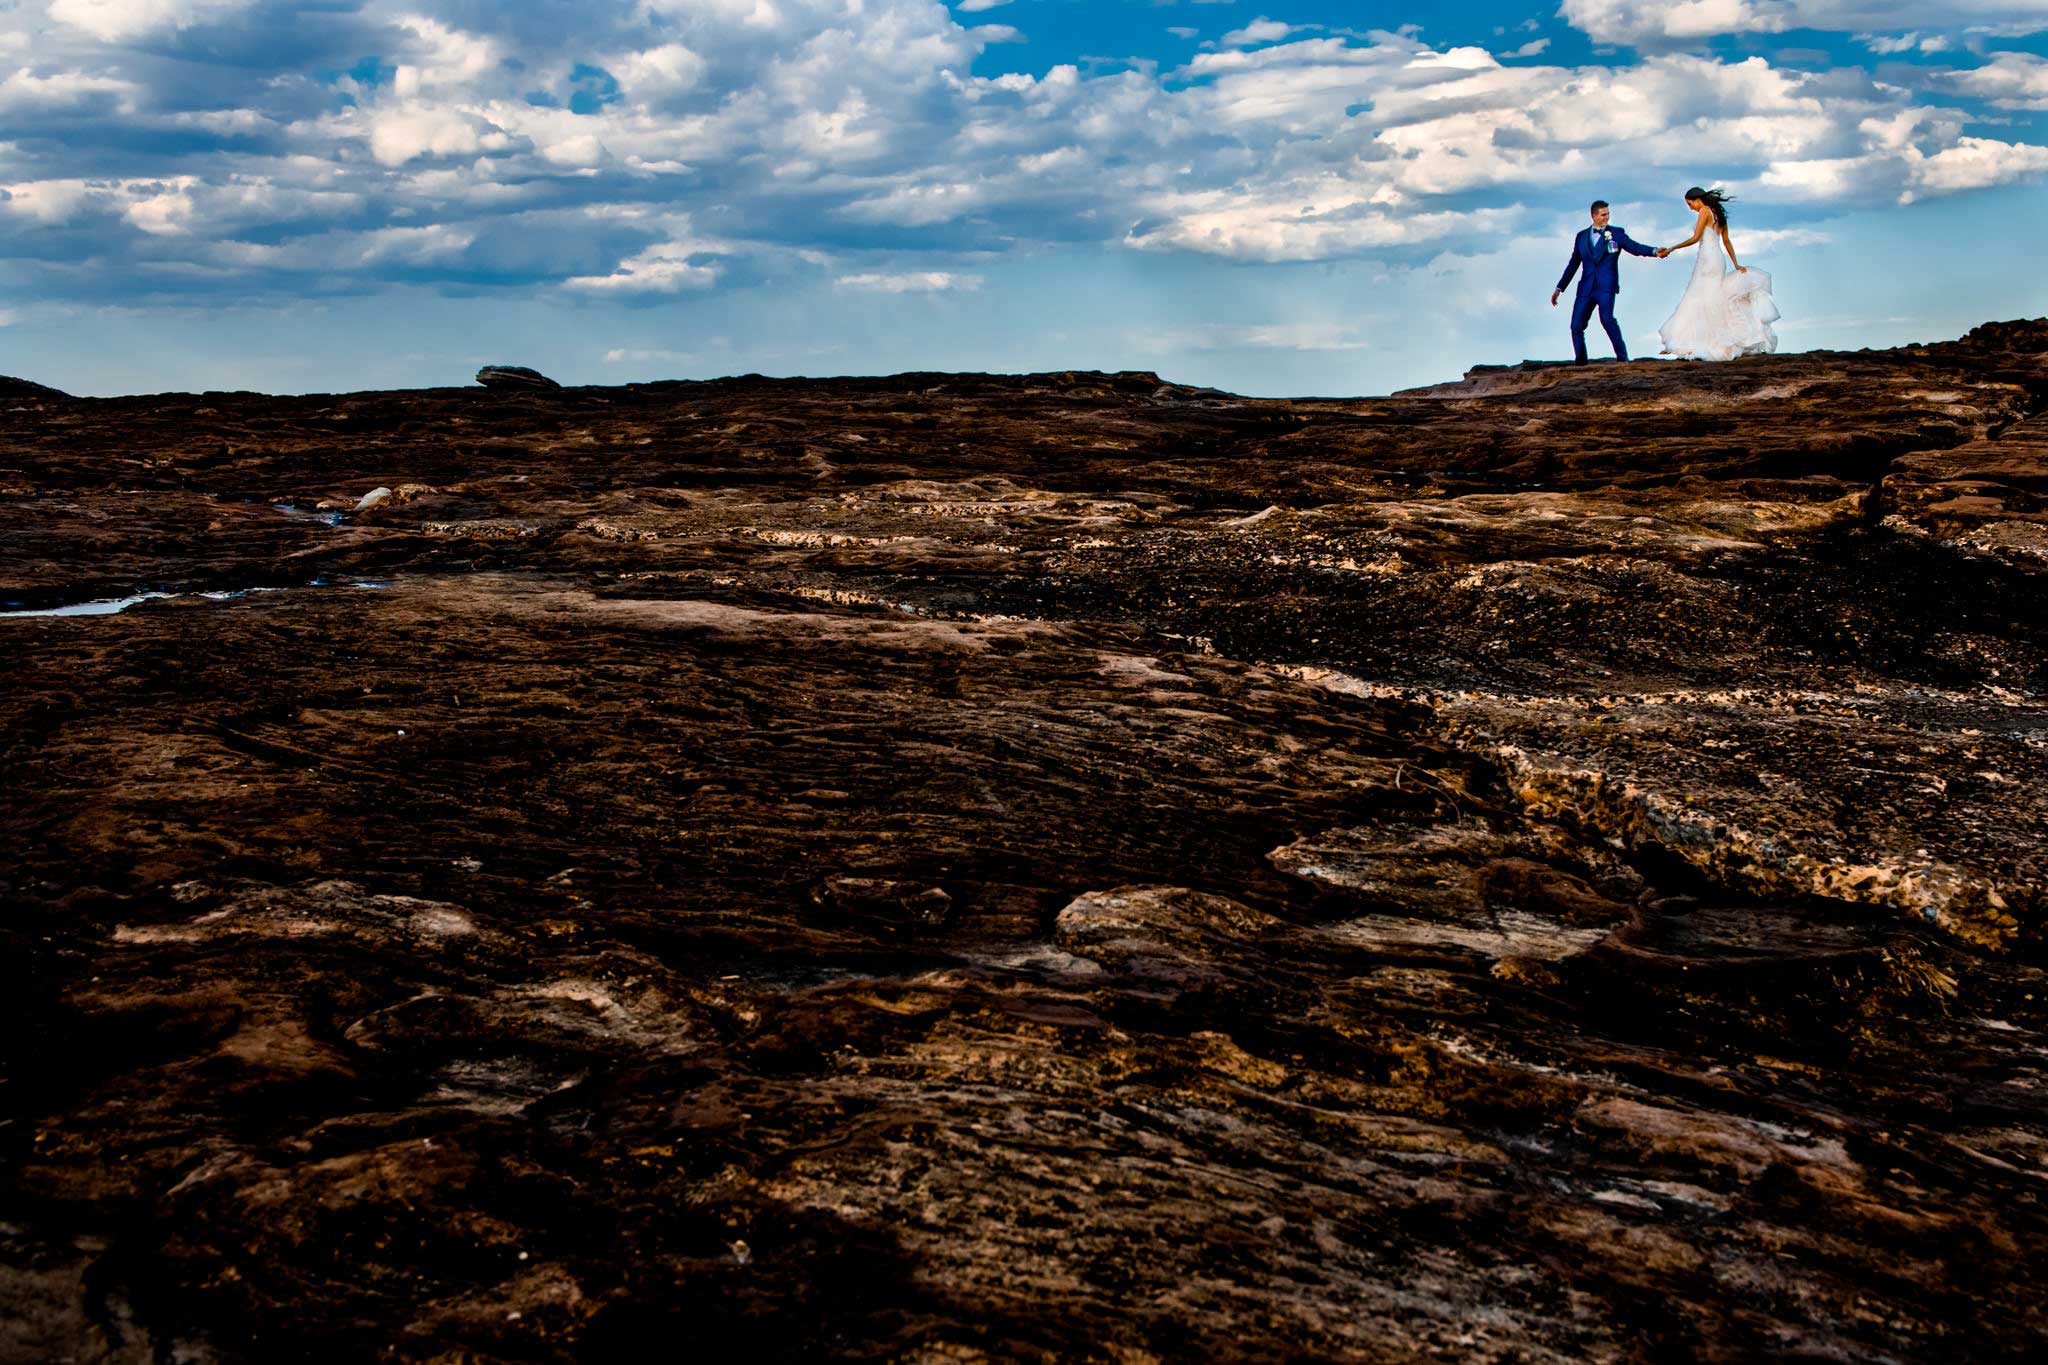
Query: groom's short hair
point(1598, 204)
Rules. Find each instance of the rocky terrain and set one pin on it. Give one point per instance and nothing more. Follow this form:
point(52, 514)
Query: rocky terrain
point(1059, 868)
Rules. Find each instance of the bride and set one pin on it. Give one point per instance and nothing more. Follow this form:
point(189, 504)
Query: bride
point(1724, 313)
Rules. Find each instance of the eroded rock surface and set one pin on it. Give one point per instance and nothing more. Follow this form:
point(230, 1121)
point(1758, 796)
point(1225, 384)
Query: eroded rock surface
point(1067, 867)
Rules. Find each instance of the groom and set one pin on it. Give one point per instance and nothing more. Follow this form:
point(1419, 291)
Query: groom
point(1598, 249)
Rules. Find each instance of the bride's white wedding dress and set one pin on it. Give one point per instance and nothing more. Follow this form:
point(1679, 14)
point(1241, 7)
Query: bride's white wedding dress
point(1724, 313)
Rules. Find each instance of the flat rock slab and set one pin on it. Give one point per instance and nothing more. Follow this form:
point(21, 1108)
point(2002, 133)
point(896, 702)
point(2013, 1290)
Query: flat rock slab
point(1031, 868)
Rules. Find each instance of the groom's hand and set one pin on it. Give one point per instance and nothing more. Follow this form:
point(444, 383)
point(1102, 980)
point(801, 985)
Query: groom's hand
point(1662, 252)
point(1555, 295)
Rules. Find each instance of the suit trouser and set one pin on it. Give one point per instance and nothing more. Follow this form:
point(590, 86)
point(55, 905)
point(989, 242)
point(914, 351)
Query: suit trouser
point(1582, 313)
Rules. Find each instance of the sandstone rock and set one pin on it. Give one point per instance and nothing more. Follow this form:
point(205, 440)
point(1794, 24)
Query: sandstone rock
point(1167, 933)
point(1987, 497)
point(952, 867)
point(891, 902)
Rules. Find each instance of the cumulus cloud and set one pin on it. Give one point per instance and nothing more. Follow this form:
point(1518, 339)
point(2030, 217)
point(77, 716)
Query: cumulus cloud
point(1662, 22)
point(1259, 31)
point(645, 148)
point(2010, 80)
point(1975, 163)
point(664, 268)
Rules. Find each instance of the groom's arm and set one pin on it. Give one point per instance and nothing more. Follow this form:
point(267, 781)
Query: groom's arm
point(1564, 281)
point(1632, 246)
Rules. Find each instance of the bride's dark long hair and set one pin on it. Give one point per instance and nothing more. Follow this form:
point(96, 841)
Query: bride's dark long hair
point(1714, 200)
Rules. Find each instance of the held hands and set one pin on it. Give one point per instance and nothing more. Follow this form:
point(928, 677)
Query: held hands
point(1662, 252)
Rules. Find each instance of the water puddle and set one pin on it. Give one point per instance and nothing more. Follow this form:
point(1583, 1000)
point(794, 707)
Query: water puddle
point(104, 606)
point(112, 606)
point(303, 514)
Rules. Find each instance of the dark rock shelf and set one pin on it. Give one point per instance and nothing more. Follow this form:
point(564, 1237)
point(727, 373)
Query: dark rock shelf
point(1058, 868)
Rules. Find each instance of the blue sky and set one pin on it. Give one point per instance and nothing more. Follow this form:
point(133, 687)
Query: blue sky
point(1265, 196)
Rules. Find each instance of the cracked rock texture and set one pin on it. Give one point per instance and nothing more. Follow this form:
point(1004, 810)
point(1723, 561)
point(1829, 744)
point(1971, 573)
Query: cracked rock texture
point(1055, 868)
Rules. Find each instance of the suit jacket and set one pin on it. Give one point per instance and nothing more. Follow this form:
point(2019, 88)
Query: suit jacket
point(1599, 251)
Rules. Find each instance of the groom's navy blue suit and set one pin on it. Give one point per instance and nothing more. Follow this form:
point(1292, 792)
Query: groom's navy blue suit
point(1598, 251)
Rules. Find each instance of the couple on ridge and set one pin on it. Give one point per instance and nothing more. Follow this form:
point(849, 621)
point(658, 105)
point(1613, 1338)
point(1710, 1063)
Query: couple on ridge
point(1723, 314)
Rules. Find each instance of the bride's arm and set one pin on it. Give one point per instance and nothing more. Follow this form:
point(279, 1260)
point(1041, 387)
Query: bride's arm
point(1729, 242)
point(1699, 230)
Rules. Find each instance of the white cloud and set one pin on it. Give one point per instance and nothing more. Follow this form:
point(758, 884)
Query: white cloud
point(977, 6)
point(659, 72)
point(27, 91)
point(1640, 21)
point(820, 135)
point(1660, 22)
point(1892, 45)
point(919, 205)
point(47, 201)
point(173, 206)
point(1259, 32)
point(910, 282)
point(2011, 80)
point(162, 209)
point(1976, 163)
point(405, 132)
point(114, 20)
point(665, 268)
point(435, 244)
point(441, 57)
